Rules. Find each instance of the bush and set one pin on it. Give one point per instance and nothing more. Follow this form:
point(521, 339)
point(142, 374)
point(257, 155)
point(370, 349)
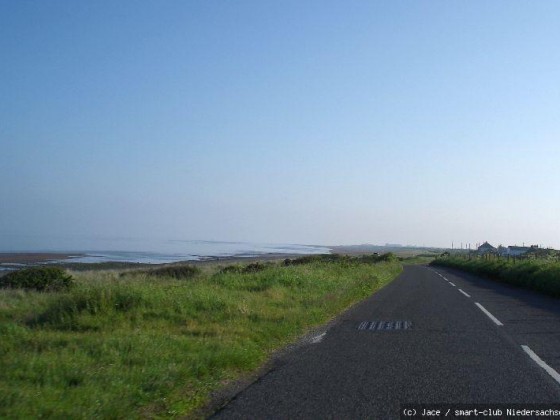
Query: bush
point(249, 268)
point(180, 272)
point(388, 257)
point(254, 267)
point(236, 268)
point(321, 258)
point(47, 279)
point(345, 259)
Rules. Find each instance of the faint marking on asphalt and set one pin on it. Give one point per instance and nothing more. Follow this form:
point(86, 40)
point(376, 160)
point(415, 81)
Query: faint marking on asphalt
point(318, 338)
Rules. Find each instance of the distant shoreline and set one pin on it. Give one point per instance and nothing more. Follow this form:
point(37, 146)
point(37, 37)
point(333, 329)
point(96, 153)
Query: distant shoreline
point(11, 260)
point(30, 258)
point(34, 257)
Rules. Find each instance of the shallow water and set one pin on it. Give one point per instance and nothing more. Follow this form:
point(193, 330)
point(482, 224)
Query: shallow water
point(173, 251)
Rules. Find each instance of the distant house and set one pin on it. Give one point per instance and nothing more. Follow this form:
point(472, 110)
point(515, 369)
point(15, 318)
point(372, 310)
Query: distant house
point(515, 251)
point(486, 248)
point(503, 251)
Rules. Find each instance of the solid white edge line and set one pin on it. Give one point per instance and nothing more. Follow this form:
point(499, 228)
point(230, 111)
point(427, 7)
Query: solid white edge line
point(452, 284)
point(465, 293)
point(318, 339)
point(542, 363)
point(492, 317)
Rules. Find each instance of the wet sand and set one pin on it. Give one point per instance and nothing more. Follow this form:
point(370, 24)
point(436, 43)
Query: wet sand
point(32, 257)
point(42, 257)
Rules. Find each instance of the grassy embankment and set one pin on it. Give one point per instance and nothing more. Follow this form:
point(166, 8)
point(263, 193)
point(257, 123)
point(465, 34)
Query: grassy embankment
point(540, 275)
point(418, 259)
point(151, 344)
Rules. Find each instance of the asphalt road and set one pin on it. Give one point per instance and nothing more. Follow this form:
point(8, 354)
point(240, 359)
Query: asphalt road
point(453, 353)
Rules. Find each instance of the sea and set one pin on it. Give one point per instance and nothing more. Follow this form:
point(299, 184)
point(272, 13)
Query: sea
point(169, 251)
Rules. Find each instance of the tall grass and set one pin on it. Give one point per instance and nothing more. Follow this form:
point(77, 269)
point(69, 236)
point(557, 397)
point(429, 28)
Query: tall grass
point(157, 346)
point(540, 275)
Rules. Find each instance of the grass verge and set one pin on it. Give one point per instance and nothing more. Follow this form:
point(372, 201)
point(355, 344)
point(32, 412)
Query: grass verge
point(540, 275)
point(155, 345)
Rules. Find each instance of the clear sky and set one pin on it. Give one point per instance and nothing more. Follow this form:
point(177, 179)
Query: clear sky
point(318, 122)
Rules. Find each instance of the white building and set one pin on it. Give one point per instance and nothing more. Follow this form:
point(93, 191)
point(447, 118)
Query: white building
point(515, 251)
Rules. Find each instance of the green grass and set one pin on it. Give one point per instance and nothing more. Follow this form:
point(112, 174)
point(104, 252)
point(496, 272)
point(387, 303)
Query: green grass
point(143, 345)
point(418, 259)
point(540, 275)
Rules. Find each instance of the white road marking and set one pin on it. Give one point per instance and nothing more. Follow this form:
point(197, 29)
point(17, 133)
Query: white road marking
point(452, 284)
point(444, 278)
point(463, 292)
point(318, 339)
point(492, 317)
point(542, 363)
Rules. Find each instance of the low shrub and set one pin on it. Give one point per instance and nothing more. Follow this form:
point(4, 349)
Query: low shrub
point(180, 272)
point(254, 267)
point(109, 265)
point(249, 268)
point(388, 257)
point(308, 259)
point(235, 268)
point(345, 259)
point(45, 279)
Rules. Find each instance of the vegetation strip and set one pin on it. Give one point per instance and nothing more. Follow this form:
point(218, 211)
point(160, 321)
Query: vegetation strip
point(157, 343)
point(541, 275)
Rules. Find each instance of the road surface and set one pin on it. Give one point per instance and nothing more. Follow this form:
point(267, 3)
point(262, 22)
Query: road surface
point(470, 341)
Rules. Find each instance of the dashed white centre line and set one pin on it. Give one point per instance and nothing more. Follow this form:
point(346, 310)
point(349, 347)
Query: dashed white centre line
point(463, 292)
point(542, 363)
point(452, 284)
point(492, 317)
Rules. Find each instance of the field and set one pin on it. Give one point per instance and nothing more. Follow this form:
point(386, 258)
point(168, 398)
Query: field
point(542, 275)
point(157, 344)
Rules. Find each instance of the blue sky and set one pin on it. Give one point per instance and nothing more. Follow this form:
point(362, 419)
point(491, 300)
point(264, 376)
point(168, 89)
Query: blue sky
point(316, 122)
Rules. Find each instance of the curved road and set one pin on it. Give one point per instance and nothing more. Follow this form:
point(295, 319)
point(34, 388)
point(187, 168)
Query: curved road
point(471, 341)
